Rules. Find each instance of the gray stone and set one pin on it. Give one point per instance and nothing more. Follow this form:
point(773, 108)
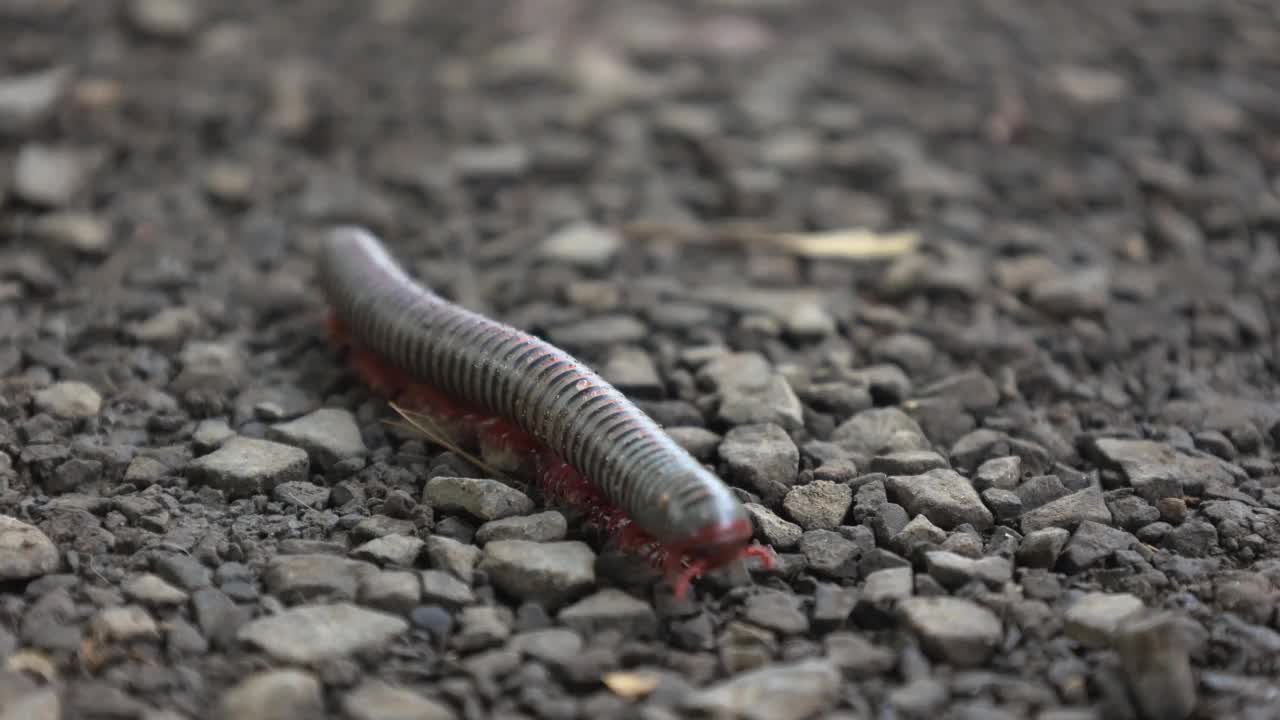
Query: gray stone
point(169, 19)
point(555, 646)
point(781, 691)
point(1041, 548)
point(599, 332)
point(908, 462)
point(610, 609)
point(781, 534)
point(479, 497)
point(1157, 470)
point(880, 431)
point(1094, 618)
point(123, 624)
point(583, 244)
point(633, 372)
point(1068, 512)
point(69, 399)
point(829, 553)
point(953, 630)
point(1157, 665)
point(440, 587)
point(548, 526)
point(821, 504)
point(857, 656)
point(49, 176)
point(395, 591)
point(283, 694)
point(1092, 543)
point(1004, 473)
point(943, 496)
point(316, 633)
point(761, 457)
point(25, 551)
point(152, 590)
point(302, 494)
point(550, 573)
point(396, 550)
point(309, 576)
point(777, 611)
point(28, 99)
point(455, 557)
point(244, 467)
point(329, 435)
point(34, 705)
point(378, 700)
point(210, 434)
point(698, 441)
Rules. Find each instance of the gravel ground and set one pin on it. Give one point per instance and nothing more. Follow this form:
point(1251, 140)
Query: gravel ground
point(1025, 470)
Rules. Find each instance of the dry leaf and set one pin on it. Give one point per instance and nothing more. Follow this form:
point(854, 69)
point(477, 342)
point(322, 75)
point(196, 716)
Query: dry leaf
point(630, 685)
point(32, 662)
point(422, 424)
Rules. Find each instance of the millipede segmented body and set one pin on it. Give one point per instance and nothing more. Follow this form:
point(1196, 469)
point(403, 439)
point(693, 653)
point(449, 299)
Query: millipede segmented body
point(592, 447)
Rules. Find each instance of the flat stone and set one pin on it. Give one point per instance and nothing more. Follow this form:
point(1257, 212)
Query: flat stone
point(49, 176)
point(1069, 512)
point(329, 435)
point(1157, 665)
point(28, 99)
point(953, 630)
point(302, 494)
point(395, 550)
point(610, 609)
point(583, 244)
point(780, 691)
point(599, 331)
point(455, 557)
point(880, 431)
point(479, 497)
point(152, 590)
point(316, 633)
point(69, 399)
point(633, 372)
point(550, 573)
point(781, 534)
point(309, 576)
point(548, 526)
point(244, 467)
point(943, 496)
point(761, 457)
point(1093, 543)
point(442, 588)
point(1157, 470)
point(821, 504)
point(395, 591)
point(1094, 618)
point(777, 611)
point(25, 551)
point(124, 623)
point(1041, 548)
point(274, 695)
point(378, 700)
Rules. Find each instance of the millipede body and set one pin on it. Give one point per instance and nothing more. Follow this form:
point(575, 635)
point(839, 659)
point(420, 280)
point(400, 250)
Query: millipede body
point(584, 442)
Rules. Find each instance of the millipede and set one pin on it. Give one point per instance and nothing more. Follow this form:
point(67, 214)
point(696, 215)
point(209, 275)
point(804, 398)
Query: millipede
point(531, 408)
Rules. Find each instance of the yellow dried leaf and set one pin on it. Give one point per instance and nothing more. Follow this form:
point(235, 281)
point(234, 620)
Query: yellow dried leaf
point(850, 244)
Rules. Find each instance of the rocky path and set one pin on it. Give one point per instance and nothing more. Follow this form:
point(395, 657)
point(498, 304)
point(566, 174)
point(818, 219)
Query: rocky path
point(1021, 463)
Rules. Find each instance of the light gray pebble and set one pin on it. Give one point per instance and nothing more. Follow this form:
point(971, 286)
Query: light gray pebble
point(919, 531)
point(1068, 512)
point(697, 441)
point(555, 646)
point(302, 494)
point(880, 431)
point(547, 526)
point(1041, 548)
point(308, 576)
point(762, 458)
point(455, 557)
point(316, 633)
point(395, 591)
point(440, 587)
point(819, 505)
point(329, 435)
point(1004, 473)
point(479, 497)
point(584, 244)
point(394, 550)
point(944, 496)
point(549, 573)
point(150, 589)
point(274, 695)
point(165, 18)
point(1157, 665)
point(69, 399)
point(124, 623)
point(953, 630)
point(610, 609)
point(482, 626)
point(211, 433)
point(244, 466)
point(781, 534)
point(378, 700)
point(28, 99)
point(25, 551)
point(1093, 619)
point(48, 175)
point(780, 691)
point(777, 611)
